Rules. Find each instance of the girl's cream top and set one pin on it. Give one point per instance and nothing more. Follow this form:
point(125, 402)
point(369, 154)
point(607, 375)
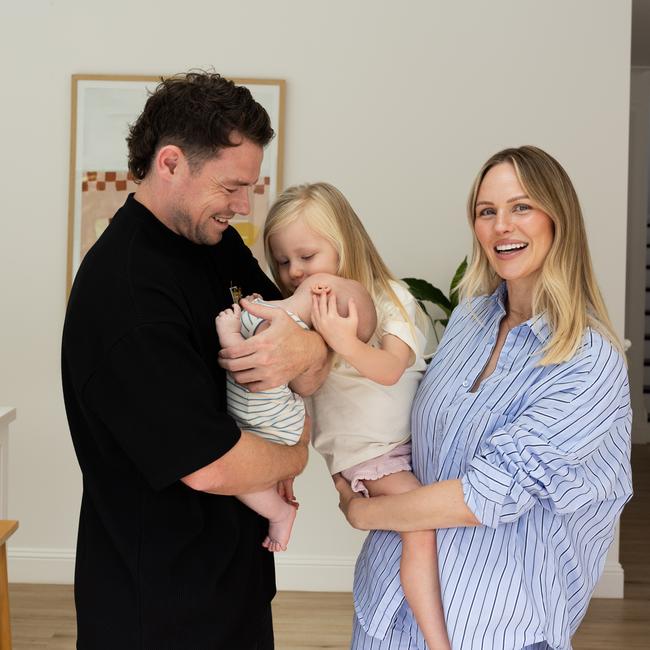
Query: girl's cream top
point(356, 419)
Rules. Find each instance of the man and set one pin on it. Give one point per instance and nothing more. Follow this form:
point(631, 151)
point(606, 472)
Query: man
point(165, 558)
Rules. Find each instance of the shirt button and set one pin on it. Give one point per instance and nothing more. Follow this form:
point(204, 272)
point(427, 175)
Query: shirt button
point(465, 384)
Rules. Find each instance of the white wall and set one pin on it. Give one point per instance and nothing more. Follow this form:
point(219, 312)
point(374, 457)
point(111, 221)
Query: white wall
point(396, 103)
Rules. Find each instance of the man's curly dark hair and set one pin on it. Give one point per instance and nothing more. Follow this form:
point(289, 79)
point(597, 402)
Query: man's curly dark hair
point(199, 112)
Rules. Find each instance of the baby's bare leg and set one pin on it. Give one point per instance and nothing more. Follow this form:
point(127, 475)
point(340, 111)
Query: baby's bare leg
point(280, 514)
point(418, 566)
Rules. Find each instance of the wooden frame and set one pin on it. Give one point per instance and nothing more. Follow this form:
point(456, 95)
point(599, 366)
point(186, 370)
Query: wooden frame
point(102, 108)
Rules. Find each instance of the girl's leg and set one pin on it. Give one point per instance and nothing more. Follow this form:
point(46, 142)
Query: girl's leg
point(280, 514)
point(418, 566)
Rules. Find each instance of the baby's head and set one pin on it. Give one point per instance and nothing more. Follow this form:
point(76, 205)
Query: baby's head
point(344, 290)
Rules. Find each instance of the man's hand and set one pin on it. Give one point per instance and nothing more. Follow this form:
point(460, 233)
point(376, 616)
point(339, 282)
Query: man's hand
point(275, 356)
point(285, 490)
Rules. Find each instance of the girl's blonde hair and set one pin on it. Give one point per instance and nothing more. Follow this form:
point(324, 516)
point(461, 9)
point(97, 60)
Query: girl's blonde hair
point(327, 212)
point(566, 290)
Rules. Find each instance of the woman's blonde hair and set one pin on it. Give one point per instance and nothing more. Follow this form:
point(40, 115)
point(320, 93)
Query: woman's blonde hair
point(329, 214)
point(566, 290)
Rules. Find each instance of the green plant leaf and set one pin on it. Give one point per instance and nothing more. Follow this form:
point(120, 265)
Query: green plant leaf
point(458, 276)
point(423, 290)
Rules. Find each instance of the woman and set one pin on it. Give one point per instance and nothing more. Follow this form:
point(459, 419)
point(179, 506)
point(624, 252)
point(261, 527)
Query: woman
point(521, 433)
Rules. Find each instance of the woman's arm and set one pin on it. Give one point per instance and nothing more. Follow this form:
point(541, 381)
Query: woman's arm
point(440, 505)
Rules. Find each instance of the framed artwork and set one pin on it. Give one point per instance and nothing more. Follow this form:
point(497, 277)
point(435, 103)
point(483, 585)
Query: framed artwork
point(103, 107)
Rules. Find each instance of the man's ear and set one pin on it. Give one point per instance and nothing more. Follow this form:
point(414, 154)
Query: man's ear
point(169, 161)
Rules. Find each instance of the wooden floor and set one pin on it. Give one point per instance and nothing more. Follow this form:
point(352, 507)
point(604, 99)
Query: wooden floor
point(43, 615)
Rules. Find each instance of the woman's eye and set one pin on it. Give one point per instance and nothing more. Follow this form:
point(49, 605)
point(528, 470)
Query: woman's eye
point(308, 257)
point(486, 212)
point(521, 207)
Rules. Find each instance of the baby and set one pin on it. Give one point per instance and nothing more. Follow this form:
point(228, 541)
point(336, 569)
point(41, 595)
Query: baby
point(278, 414)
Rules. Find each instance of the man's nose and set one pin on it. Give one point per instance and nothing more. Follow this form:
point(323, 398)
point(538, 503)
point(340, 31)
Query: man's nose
point(241, 203)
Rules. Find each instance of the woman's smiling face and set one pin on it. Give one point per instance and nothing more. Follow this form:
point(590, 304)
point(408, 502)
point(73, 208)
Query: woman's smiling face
point(515, 234)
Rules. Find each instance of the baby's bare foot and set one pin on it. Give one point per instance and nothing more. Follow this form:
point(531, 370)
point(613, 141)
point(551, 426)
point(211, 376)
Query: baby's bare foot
point(280, 530)
point(228, 325)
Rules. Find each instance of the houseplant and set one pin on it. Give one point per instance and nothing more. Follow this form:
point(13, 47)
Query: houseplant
point(423, 291)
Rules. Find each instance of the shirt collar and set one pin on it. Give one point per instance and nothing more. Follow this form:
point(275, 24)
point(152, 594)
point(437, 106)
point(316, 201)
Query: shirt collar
point(538, 324)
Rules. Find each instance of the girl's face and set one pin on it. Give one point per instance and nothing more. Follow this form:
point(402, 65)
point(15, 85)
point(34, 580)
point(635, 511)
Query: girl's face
point(514, 233)
point(300, 252)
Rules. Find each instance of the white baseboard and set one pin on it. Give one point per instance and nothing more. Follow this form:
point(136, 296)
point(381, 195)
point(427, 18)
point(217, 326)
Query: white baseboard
point(41, 565)
point(611, 582)
point(313, 573)
point(293, 573)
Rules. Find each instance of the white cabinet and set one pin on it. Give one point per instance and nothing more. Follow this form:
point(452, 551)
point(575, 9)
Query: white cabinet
point(7, 415)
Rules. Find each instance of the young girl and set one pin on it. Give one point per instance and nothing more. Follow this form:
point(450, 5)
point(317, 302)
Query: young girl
point(361, 414)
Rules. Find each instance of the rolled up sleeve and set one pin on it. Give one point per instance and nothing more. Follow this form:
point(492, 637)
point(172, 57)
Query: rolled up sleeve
point(569, 447)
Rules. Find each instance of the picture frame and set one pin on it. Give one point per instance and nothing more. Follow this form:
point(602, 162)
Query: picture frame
point(102, 108)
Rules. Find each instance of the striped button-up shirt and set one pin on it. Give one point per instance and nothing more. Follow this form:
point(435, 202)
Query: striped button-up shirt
point(543, 456)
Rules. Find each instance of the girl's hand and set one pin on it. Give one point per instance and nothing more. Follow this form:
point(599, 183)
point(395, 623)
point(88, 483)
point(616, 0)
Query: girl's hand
point(339, 332)
point(349, 501)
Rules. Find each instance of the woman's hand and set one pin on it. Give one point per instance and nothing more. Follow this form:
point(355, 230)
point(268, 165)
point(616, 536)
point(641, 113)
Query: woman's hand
point(350, 502)
point(428, 507)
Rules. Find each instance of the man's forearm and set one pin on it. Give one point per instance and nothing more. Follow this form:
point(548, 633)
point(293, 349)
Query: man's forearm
point(252, 465)
point(317, 364)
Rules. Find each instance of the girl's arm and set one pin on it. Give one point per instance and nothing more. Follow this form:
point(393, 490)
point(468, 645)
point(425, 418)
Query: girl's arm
point(439, 505)
point(383, 365)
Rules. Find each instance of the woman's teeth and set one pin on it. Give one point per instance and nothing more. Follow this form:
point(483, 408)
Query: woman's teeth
point(503, 248)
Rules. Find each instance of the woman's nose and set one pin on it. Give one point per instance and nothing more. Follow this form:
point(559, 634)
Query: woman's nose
point(503, 221)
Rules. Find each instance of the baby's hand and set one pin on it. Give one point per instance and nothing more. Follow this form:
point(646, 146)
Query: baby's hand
point(253, 296)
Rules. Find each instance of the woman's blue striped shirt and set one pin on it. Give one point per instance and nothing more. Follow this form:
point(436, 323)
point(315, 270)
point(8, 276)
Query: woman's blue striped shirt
point(543, 455)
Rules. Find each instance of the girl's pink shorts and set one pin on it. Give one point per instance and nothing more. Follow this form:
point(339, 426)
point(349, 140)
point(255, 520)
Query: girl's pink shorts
point(396, 460)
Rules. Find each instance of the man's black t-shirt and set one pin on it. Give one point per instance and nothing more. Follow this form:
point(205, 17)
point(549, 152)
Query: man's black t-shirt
point(159, 566)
